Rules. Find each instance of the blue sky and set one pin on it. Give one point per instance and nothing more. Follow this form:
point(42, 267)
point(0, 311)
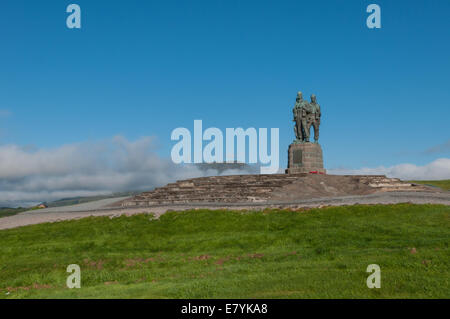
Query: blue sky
point(143, 68)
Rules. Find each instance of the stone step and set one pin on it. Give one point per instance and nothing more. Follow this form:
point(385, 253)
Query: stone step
point(233, 188)
point(245, 188)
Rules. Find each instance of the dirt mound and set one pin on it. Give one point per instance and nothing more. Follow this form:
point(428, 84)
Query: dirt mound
point(317, 186)
point(262, 188)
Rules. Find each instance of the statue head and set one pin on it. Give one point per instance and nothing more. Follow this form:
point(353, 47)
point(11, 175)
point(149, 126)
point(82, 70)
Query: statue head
point(313, 98)
point(299, 96)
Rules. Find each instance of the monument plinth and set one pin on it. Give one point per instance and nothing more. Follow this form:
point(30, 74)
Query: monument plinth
point(305, 158)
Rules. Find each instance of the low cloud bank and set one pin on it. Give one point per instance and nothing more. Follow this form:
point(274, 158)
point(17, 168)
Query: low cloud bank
point(28, 176)
point(438, 169)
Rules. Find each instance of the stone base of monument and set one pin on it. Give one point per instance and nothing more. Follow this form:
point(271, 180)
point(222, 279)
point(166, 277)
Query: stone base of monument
point(305, 158)
point(266, 188)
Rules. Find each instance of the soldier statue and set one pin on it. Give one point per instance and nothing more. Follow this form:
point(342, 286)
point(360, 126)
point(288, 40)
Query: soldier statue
point(305, 115)
point(299, 127)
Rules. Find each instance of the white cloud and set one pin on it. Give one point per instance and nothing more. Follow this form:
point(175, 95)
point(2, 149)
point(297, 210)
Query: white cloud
point(31, 176)
point(438, 169)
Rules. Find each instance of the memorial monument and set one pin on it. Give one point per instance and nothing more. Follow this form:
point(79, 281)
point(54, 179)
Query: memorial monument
point(305, 156)
point(300, 183)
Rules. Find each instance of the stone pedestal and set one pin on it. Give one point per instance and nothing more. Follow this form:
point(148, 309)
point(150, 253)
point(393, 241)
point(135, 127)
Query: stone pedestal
point(305, 158)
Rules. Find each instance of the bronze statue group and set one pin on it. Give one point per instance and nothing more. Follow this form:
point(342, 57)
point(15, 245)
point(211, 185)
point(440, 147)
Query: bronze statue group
point(306, 114)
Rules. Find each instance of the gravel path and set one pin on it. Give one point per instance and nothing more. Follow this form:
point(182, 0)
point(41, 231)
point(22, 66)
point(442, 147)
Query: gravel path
point(101, 207)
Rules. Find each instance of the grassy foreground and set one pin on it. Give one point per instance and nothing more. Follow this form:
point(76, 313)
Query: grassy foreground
point(319, 253)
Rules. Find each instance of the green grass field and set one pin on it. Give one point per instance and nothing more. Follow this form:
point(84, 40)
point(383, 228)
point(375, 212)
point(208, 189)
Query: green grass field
point(444, 184)
point(318, 253)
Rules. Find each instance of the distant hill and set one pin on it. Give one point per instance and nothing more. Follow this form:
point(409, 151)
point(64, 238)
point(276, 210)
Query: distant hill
point(7, 211)
point(80, 200)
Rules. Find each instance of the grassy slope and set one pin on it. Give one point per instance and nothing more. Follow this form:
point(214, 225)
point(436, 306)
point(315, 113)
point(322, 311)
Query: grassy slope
point(198, 254)
point(6, 211)
point(444, 184)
